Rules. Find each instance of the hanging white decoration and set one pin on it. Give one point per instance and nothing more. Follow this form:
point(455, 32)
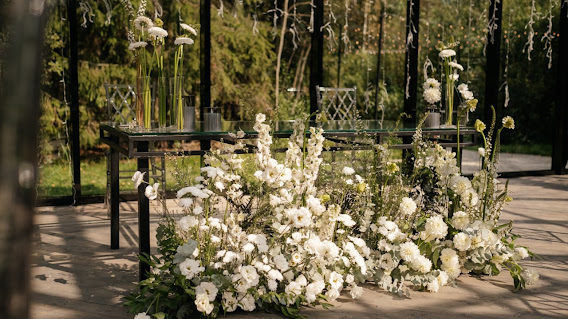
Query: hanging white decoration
point(255, 25)
point(409, 44)
point(108, 11)
point(492, 25)
point(331, 35)
point(158, 11)
point(220, 12)
point(529, 45)
point(344, 35)
point(506, 71)
point(547, 37)
point(87, 12)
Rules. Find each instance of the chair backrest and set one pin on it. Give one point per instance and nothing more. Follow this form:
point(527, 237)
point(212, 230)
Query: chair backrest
point(338, 104)
point(121, 102)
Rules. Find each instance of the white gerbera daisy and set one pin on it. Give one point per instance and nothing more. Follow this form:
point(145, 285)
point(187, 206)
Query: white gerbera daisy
point(456, 66)
point(447, 53)
point(183, 40)
point(158, 32)
point(431, 83)
point(136, 45)
point(143, 23)
point(188, 28)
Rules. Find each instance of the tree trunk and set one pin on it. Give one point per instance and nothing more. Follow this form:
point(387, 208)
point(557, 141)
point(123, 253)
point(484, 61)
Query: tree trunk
point(279, 58)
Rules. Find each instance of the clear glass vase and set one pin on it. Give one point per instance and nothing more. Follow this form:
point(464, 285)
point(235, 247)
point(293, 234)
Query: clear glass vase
point(177, 93)
point(144, 102)
point(189, 113)
point(162, 103)
point(212, 119)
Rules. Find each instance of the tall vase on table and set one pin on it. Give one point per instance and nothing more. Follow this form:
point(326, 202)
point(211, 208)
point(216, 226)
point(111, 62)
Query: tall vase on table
point(144, 102)
point(177, 93)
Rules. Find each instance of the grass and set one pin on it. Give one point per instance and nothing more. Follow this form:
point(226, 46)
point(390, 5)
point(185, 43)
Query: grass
point(56, 179)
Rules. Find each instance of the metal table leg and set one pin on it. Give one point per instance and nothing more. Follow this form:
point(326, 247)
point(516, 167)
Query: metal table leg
point(143, 212)
point(114, 200)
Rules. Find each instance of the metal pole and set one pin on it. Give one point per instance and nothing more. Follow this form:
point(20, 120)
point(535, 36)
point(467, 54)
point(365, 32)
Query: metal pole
point(411, 58)
point(492, 67)
point(74, 91)
point(19, 126)
point(316, 60)
point(205, 62)
point(378, 77)
point(560, 146)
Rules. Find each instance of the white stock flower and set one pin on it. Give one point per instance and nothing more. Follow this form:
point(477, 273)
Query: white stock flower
point(348, 171)
point(158, 32)
point(138, 178)
point(188, 222)
point(407, 206)
point(447, 53)
point(183, 40)
point(202, 303)
point(152, 191)
point(207, 288)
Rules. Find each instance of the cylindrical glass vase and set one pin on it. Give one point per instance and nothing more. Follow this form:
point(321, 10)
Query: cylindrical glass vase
point(189, 113)
point(162, 103)
point(177, 93)
point(144, 102)
point(212, 119)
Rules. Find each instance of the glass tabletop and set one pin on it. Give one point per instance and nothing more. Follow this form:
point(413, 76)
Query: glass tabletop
point(281, 127)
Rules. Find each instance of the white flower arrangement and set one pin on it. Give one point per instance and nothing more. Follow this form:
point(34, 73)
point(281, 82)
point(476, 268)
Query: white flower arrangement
point(275, 238)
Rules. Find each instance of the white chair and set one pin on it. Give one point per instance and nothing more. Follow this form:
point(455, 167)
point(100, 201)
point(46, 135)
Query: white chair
point(121, 108)
point(338, 105)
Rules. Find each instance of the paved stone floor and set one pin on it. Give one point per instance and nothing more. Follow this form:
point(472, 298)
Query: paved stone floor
point(76, 275)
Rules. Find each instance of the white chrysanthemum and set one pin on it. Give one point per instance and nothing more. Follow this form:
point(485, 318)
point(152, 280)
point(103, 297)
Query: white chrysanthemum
point(530, 276)
point(447, 53)
point(143, 23)
point(207, 288)
point(432, 96)
point(136, 45)
point(435, 228)
point(346, 220)
point(202, 304)
point(460, 220)
point(456, 66)
point(183, 40)
point(142, 315)
point(449, 256)
point(462, 241)
point(138, 178)
point(460, 184)
point(188, 222)
point(152, 191)
point(463, 87)
point(356, 292)
point(188, 28)
point(421, 264)
point(190, 267)
point(158, 32)
point(407, 206)
point(452, 269)
point(431, 83)
point(409, 251)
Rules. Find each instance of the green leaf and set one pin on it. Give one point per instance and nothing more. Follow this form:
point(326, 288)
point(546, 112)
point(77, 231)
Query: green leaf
point(159, 315)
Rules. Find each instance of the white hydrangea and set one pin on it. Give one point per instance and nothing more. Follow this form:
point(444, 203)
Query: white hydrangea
point(462, 241)
point(435, 228)
point(407, 206)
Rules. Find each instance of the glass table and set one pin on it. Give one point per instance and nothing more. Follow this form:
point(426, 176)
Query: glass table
point(135, 143)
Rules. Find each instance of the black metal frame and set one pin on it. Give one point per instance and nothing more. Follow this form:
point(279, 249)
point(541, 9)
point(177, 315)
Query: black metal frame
point(137, 146)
